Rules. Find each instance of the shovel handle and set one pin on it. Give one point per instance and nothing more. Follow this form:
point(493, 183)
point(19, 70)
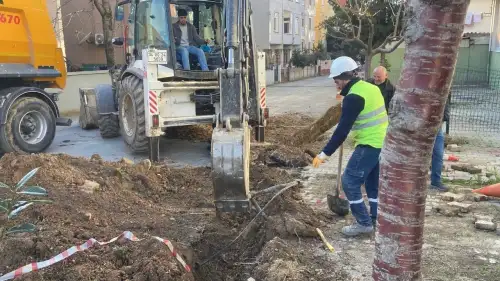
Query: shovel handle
point(339, 170)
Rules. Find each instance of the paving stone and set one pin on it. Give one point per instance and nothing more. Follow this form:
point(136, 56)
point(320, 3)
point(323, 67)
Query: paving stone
point(485, 225)
point(479, 217)
point(447, 210)
point(448, 196)
point(453, 148)
point(476, 197)
point(466, 168)
point(464, 190)
point(462, 207)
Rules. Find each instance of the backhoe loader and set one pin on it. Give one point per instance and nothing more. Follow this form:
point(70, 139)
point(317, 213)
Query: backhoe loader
point(32, 74)
point(152, 92)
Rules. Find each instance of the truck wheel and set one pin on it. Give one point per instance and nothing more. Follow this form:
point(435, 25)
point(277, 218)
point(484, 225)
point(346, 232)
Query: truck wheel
point(109, 126)
point(30, 126)
point(131, 114)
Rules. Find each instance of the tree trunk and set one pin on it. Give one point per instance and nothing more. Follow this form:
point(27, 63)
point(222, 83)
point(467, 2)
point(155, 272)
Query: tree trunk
point(382, 60)
point(368, 66)
point(432, 39)
point(104, 8)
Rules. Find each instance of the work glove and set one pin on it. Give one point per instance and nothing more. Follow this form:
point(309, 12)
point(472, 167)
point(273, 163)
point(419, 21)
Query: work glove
point(319, 159)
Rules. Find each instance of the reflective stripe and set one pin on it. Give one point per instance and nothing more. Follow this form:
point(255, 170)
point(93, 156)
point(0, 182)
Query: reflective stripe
point(371, 114)
point(373, 200)
point(356, 202)
point(371, 123)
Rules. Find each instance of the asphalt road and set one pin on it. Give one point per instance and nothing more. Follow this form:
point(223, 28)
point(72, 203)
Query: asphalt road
point(311, 96)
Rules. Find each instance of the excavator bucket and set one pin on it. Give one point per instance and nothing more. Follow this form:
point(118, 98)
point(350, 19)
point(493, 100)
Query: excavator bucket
point(230, 168)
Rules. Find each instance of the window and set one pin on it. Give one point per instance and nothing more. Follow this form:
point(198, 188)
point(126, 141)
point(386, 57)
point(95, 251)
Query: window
point(310, 24)
point(286, 23)
point(296, 25)
point(276, 22)
point(303, 22)
point(152, 26)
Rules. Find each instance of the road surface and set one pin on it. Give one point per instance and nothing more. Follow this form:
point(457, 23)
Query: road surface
point(311, 96)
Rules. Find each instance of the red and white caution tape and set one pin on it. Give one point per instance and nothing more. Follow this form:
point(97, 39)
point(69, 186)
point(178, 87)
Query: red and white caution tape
point(85, 246)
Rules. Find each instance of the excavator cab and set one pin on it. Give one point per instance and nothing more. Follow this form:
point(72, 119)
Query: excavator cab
point(151, 92)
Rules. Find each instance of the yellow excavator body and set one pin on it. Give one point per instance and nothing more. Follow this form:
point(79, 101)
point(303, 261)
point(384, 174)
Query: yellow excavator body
point(28, 45)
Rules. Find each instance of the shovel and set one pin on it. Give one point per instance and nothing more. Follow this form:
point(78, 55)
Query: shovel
point(336, 204)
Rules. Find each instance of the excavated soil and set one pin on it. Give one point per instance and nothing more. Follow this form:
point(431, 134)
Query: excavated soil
point(93, 198)
point(278, 150)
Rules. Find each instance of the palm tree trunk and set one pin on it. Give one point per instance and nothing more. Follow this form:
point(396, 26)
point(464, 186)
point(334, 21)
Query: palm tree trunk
point(432, 40)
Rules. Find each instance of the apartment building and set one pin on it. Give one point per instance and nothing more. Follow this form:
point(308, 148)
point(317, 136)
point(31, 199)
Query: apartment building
point(323, 11)
point(282, 26)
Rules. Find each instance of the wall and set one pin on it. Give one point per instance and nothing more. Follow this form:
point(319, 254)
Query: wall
point(262, 22)
point(323, 11)
point(484, 7)
point(80, 19)
point(472, 62)
point(295, 9)
point(69, 100)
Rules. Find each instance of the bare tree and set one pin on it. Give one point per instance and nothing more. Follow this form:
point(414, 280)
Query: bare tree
point(373, 26)
point(108, 24)
point(434, 31)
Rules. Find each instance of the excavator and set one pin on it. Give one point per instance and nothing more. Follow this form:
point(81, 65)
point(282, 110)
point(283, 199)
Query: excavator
point(32, 75)
point(152, 92)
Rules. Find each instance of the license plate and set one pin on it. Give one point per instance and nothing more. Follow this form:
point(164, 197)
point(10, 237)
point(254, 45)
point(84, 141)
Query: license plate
point(158, 56)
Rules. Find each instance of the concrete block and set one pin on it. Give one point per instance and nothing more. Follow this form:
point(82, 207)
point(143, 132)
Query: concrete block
point(476, 197)
point(485, 225)
point(453, 148)
point(462, 207)
point(447, 210)
point(466, 168)
point(448, 196)
point(479, 217)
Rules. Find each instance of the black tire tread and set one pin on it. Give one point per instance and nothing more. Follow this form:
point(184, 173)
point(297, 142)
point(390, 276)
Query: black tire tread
point(7, 141)
point(133, 86)
point(109, 126)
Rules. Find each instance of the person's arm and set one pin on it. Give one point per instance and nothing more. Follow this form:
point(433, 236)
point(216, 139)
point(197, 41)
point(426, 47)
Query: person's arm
point(352, 105)
point(197, 39)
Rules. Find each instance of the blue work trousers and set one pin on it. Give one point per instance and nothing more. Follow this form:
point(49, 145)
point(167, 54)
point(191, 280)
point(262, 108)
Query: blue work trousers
point(184, 52)
point(437, 159)
point(362, 168)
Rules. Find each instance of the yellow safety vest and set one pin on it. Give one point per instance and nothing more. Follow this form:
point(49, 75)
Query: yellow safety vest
point(371, 125)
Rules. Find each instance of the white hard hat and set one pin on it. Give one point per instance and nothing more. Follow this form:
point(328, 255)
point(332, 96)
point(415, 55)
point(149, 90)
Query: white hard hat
point(341, 65)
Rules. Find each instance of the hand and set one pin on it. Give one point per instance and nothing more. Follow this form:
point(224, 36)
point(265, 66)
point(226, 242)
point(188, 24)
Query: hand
point(319, 159)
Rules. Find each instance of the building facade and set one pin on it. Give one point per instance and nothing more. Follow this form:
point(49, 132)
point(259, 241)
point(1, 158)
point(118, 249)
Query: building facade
point(323, 11)
point(290, 25)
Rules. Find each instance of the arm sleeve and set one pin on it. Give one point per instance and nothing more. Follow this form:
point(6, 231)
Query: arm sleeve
point(351, 107)
point(197, 37)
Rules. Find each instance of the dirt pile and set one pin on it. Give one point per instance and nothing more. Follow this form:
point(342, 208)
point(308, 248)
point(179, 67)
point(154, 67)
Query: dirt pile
point(93, 198)
point(279, 150)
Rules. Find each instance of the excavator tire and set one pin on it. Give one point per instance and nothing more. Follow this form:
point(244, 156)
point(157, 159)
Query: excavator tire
point(30, 126)
point(131, 114)
point(109, 126)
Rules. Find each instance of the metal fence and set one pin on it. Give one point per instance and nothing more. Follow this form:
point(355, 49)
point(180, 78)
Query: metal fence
point(474, 102)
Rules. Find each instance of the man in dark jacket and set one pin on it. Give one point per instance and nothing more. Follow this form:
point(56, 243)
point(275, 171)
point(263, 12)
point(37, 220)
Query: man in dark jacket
point(187, 41)
point(380, 78)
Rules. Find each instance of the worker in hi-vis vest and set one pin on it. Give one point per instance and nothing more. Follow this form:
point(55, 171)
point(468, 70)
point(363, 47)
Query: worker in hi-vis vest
point(363, 113)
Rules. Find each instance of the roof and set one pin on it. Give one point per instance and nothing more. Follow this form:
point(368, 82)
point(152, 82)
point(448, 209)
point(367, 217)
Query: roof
point(475, 34)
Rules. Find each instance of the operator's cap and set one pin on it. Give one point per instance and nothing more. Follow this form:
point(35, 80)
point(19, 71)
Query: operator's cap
point(182, 13)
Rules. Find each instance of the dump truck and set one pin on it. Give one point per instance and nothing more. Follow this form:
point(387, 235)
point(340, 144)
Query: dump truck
point(152, 92)
point(32, 75)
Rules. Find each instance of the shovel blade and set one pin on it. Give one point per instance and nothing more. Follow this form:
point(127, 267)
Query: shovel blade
point(337, 205)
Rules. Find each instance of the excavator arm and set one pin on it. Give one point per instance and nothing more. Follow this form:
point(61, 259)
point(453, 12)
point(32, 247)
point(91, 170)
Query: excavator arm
point(240, 107)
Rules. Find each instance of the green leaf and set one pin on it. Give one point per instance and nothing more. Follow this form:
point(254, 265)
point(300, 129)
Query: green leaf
point(5, 205)
point(40, 201)
point(3, 185)
point(26, 178)
point(34, 190)
point(3, 208)
point(16, 211)
point(25, 227)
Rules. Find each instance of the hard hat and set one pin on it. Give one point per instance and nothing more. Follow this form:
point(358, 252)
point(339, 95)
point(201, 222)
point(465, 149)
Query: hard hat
point(341, 65)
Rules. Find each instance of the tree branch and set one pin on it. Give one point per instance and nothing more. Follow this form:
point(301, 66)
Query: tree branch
point(99, 7)
point(387, 51)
